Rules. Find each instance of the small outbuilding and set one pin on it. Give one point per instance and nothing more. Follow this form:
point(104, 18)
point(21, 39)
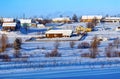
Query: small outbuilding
point(58, 33)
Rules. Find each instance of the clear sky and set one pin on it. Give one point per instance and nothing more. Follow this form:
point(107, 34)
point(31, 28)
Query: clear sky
point(49, 8)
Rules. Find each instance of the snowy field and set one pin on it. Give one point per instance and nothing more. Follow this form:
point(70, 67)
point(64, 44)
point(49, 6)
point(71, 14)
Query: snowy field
point(35, 64)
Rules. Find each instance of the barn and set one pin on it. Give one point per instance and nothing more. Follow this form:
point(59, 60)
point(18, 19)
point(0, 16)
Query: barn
point(58, 33)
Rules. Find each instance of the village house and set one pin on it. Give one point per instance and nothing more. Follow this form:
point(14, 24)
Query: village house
point(61, 20)
point(9, 26)
point(111, 19)
point(58, 33)
point(8, 20)
point(91, 18)
point(27, 21)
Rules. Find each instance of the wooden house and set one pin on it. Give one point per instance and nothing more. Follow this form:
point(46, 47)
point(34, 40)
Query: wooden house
point(111, 19)
point(58, 33)
point(61, 20)
point(91, 18)
point(9, 26)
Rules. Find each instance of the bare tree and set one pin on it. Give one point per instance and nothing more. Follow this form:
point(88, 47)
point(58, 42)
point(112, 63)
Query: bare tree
point(72, 44)
point(109, 49)
point(95, 21)
point(4, 41)
point(56, 44)
point(111, 52)
point(75, 18)
point(54, 53)
point(90, 25)
point(5, 57)
point(116, 42)
point(83, 45)
point(94, 47)
point(17, 47)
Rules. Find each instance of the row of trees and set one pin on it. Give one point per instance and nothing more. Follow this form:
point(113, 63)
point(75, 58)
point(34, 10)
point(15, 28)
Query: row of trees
point(112, 50)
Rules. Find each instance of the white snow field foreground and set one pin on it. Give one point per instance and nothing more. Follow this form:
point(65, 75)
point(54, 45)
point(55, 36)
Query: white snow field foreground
point(62, 67)
point(70, 65)
point(70, 72)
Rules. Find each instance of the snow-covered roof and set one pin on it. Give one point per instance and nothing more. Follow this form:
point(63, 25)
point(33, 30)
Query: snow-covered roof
point(8, 19)
point(40, 25)
point(112, 18)
point(92, 17)
point(25, 20)
point(61, 19)
point(9, 24)
point(53, 24)
point(39, 18)
point(64, 32)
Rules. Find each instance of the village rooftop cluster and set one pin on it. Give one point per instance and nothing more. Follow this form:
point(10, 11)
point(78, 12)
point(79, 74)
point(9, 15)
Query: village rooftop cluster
point(51, 27)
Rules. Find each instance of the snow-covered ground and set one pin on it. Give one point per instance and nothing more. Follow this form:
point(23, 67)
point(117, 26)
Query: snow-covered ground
point(70, 64)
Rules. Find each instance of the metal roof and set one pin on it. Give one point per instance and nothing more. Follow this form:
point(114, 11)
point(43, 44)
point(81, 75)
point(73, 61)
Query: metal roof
point(64, 32)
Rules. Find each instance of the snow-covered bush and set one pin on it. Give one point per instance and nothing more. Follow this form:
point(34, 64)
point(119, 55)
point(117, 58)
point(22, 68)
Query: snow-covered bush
point(85, 55)
point(72, 44)
point(54, 53)
point(116, 42)
point(5, 57)
point(43, 48)
point(110, 50)
point(83, 45)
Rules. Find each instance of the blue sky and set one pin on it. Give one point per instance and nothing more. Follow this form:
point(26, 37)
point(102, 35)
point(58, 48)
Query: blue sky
point(50, 8)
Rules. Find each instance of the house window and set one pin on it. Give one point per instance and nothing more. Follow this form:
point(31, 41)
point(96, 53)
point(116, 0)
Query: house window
point(47, 35)
point(55, 35)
